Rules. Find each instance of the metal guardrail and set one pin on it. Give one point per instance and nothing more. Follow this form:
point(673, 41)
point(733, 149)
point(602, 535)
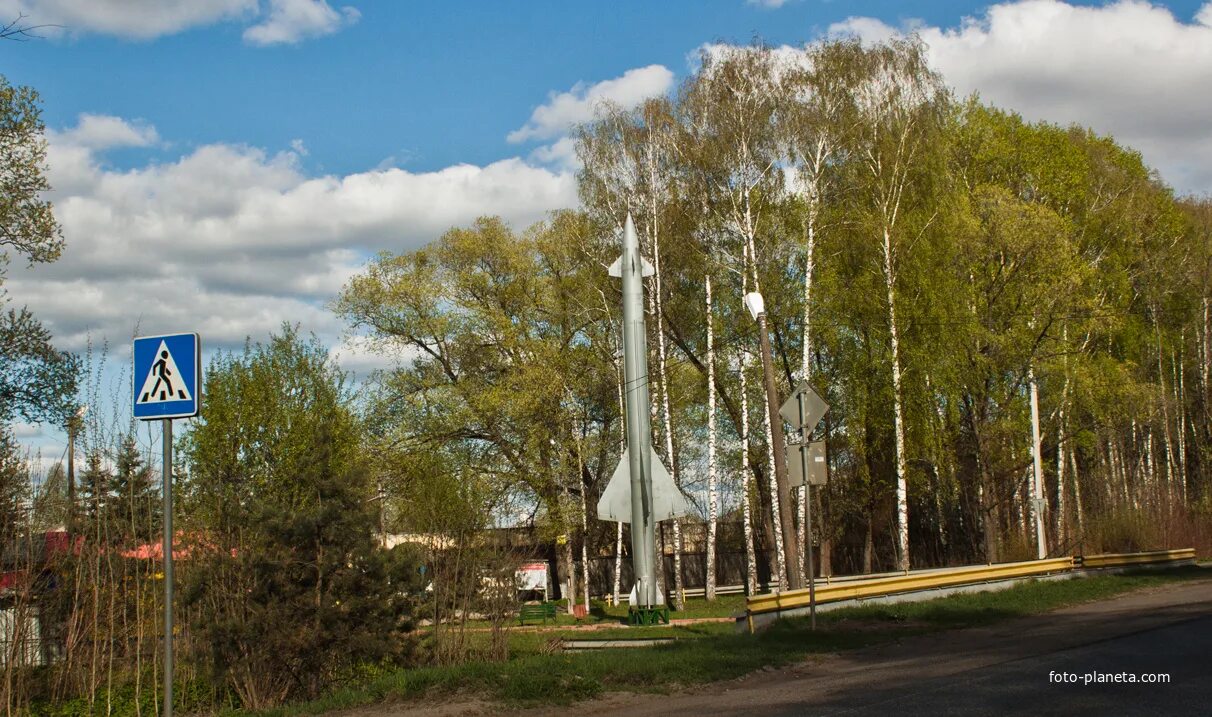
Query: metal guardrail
point(904, 582)
point(1113, 560)
point(870, 586)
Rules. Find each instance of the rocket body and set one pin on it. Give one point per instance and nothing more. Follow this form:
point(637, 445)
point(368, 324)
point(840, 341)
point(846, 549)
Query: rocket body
point(641, 491)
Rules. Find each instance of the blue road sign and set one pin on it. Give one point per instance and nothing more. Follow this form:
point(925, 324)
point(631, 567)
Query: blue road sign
point(168, 376)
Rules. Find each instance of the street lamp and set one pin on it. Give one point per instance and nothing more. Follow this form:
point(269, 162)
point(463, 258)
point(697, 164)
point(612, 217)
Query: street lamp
point(791, 548)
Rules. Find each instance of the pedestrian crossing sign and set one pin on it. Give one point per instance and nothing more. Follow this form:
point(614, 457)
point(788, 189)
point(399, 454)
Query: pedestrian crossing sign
point(168, 376)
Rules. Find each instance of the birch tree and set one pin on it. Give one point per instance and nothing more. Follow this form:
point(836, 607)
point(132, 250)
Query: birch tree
point(897, 102)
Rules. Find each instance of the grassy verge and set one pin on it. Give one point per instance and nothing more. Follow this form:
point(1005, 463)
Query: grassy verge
point(707, 653)
point(601, 612)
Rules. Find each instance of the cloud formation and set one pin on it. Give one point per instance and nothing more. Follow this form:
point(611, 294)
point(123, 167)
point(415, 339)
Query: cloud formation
point(1129, 69)
point(274, 21)
point(563, 110)
point(232, 240)
point(290, 21)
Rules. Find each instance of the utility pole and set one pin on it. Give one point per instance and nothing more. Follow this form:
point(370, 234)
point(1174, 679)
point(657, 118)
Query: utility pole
point(73, 426)
point(1037, 473)
point(791, 549)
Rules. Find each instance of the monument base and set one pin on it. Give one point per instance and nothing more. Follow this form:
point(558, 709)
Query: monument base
point(640, 616)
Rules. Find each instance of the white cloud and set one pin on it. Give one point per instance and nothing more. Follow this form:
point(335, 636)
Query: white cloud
point(362, 355)
point(1129, 69)
point(276, 21)
point(139, 19)
point(561, 154)
point(98, 132)
point(290, 21)
point(26, 430)
point(773, 4)
point(232, 240)
point(565, 109)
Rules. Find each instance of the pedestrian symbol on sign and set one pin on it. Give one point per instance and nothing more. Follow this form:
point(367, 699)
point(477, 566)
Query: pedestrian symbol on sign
point(164, 382)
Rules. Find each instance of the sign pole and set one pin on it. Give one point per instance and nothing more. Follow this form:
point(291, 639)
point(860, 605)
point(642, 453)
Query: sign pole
point(805, 433)
point(167, 385)
point(168, 566)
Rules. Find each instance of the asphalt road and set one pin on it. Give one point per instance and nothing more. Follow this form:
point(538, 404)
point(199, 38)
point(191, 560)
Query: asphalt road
point(1003, 669)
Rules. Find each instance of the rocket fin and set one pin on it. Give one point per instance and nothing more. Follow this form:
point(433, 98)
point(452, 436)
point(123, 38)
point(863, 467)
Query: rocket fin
point(634, 599)
point(667, 499)
point(615, 503)
point(616, 269)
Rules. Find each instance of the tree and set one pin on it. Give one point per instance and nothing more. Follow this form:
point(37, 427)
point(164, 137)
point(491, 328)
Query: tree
point(36, 381)
point(94, 493)
point(510, 336)
point(287, 585)
point(14, 490)
point(897, 106)
point(133, 494)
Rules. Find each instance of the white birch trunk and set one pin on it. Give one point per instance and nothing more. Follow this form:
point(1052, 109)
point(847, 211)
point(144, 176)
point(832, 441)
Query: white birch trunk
point(712, 497)
point(1206, 346)
point(678, 591)
point(1079, 509)
point(1180, 400)
point(1061, 523)
point(584, 552)
point(1168, 444)
point(804, 534)
point(618, 538)
point(746, 483)
point(902, 492)
point(618, 562)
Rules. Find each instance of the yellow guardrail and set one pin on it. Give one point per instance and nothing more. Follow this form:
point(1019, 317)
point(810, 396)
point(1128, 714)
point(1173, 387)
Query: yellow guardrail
point(906, 582)
point(1112, 560)
point(891, 584)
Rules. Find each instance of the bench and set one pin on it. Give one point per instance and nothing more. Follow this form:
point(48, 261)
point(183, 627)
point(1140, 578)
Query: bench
point(542, 612)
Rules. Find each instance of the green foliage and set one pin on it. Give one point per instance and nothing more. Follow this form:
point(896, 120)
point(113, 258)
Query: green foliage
point(287, 587)
point(134, 508)
point(14, 489)
point(93, 493)
point(36, 381)
point(712, 655)
point(26, 222)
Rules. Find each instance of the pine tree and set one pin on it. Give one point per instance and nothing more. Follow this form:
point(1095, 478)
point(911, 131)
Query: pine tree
point(14, 489)
point(133, 495)
point(94, 490)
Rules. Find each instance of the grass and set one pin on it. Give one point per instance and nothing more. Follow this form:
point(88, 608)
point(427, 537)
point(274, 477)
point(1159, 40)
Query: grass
point(714, 651)
point(601, 612)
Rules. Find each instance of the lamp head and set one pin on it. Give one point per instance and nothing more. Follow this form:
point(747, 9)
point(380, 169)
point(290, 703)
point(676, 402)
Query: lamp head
point(755, 304)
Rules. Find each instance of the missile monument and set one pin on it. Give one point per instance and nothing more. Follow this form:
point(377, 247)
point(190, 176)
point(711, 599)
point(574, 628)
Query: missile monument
point(641, 491)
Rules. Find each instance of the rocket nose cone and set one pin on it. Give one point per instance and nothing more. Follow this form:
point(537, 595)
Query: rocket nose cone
point(629, 236)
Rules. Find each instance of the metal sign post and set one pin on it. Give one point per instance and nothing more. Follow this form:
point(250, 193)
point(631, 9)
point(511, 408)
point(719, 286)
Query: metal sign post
point(167, 385)
point(167, 423)
point(804, 409)
point(807, 511)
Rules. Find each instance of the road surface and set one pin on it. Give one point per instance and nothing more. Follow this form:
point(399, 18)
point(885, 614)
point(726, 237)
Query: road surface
point(1008, 668)
point(1013, 667)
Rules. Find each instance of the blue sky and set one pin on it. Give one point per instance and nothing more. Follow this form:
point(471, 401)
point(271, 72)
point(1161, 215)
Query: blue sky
point(424, 85)
point(223, 166)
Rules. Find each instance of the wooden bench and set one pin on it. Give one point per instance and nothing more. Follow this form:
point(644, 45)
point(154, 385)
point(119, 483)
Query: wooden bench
point(542, 612)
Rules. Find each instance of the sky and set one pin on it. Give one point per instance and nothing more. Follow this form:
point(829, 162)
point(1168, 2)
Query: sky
point(223, 166)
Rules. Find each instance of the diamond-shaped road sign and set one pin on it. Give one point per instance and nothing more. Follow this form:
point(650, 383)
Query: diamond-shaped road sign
point(818, 469)
point(814, 407)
